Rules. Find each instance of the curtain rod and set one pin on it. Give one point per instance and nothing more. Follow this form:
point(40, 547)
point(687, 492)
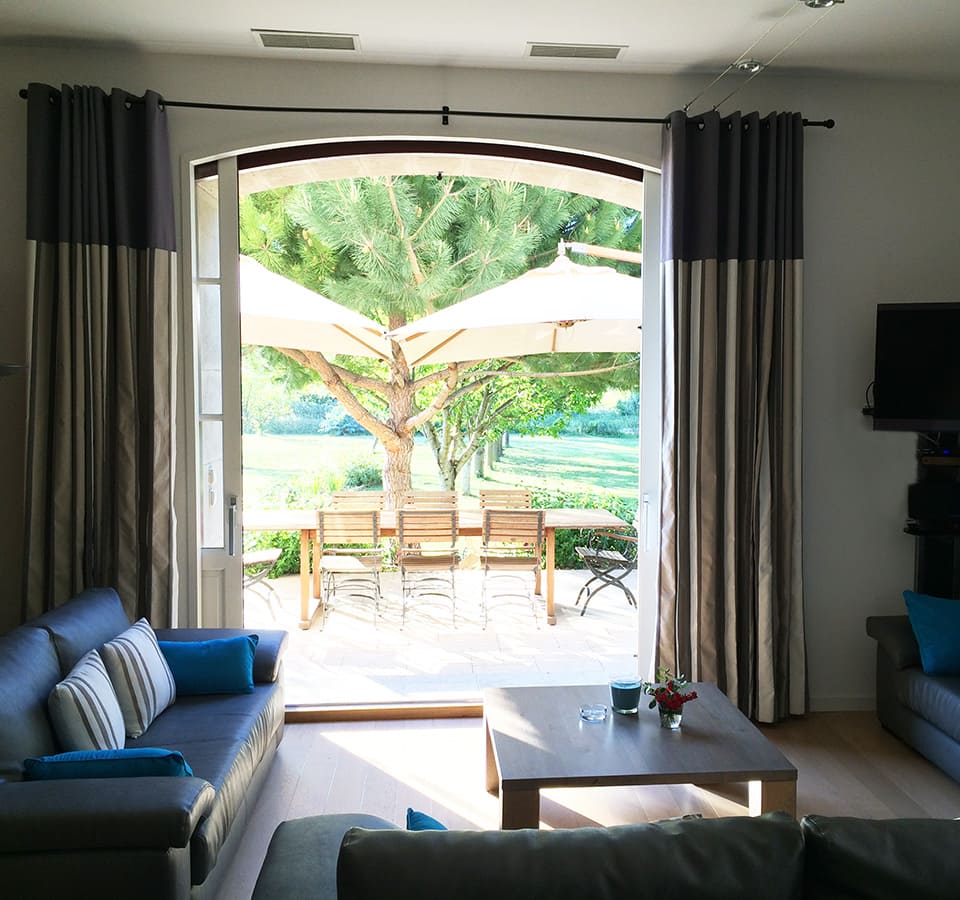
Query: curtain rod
point(444, 112)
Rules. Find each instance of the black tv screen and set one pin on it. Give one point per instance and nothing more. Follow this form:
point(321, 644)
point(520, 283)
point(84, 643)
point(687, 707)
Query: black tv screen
point(917, 371)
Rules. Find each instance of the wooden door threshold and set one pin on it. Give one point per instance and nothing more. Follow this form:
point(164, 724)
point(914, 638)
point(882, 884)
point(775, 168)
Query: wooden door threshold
point(374, 712)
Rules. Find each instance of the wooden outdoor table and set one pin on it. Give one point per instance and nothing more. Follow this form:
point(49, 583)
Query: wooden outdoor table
point(469, 524)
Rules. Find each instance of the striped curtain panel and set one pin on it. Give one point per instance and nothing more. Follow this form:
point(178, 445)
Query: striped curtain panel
point(731, 596)
point(100, 237)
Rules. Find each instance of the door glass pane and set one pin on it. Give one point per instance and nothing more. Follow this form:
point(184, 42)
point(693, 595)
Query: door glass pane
point(208, 228)
point(209, 346)
point(211, 483)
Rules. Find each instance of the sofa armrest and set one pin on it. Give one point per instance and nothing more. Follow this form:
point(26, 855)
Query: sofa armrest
point(266, 663)
point(97, 813)
point(895, 637)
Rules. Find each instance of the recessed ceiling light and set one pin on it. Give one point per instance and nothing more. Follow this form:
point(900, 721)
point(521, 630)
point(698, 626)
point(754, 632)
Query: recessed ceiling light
point(750, 66)
point(821, 4)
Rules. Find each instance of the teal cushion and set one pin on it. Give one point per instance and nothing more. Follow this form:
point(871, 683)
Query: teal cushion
point(218, 666)
point(936, 625)
point(420, 821)
point(130, 763)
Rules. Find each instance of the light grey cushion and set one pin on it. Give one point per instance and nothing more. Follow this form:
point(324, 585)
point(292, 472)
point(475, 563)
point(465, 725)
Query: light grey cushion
point(84, 708)
point(140, 676)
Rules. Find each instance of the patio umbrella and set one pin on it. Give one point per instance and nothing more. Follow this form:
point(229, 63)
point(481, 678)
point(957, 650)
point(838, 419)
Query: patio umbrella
point(278, 312)
point(560, 308)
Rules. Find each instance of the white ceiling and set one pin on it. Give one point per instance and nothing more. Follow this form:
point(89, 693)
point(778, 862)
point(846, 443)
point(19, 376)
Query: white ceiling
point(895, 38)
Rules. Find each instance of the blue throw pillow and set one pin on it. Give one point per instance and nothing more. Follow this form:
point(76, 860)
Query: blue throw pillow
point(130, 763)
point(420, 821)
point(936, 625)
point(219, 666)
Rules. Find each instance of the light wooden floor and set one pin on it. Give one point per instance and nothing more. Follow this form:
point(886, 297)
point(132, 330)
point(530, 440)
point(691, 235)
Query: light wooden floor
point(848, 765)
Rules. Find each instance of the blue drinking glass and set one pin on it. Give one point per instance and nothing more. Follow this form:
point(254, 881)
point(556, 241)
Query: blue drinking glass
point(625, 694)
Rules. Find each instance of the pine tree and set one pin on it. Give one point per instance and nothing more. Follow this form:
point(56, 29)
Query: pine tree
point(399, 247)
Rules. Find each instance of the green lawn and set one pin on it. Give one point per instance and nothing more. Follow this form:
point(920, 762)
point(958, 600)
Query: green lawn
point(283, 470)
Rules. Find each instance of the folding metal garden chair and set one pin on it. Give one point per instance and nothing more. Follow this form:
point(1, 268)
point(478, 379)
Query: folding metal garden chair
point(257, 565)
point(609, 567)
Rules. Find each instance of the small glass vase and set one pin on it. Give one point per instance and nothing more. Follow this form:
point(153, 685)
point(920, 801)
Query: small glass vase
point(669, 718)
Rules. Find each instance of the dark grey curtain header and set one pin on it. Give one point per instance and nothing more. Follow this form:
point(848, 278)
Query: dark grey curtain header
point(117, 146)
point(735, 196)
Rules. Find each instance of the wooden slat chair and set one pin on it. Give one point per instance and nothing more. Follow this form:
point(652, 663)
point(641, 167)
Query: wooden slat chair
point(350, 558)
point(430, 500)
point(504, 498)
point(608, 567)
point(510, 553)
point(358, 500)
point(427, 556)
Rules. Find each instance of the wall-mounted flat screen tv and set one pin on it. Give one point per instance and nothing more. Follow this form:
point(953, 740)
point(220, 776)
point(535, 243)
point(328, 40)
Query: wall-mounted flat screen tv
point(916, 383)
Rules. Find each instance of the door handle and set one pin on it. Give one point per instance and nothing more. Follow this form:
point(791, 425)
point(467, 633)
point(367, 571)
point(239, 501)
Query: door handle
point(232, 527)
point(645, 521)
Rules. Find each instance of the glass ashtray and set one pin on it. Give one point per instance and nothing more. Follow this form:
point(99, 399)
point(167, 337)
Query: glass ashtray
point(593, 712)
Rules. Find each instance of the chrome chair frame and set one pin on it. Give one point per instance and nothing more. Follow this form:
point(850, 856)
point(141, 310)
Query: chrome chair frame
point(512, 549)
point(427, 556)
point(349, 557)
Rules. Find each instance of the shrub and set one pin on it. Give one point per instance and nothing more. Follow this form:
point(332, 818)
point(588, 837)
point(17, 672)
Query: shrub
point(287, 541)
point(566, 540)
point(310, 490)
point(291, 424)
point(363, 473)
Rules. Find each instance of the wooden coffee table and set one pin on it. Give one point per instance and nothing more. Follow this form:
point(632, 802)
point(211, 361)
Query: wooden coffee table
point(535, 739)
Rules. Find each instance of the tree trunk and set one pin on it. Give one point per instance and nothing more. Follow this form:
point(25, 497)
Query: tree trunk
point(448, 475)
point(490, 452)
point(396, 470)
point(478, 462)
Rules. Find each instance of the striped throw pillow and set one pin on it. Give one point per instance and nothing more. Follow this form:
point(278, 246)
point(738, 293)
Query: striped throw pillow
point(141, 676)
point(84, 708)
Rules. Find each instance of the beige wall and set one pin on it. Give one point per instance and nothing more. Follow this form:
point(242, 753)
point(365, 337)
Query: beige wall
point(881, 224)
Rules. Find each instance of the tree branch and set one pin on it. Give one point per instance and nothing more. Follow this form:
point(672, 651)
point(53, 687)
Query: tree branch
point(440, 401)
point(332, 381)
point(418, 275)
point(426, 380)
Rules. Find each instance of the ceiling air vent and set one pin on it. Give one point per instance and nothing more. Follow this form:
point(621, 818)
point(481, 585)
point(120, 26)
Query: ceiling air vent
point(306, 40)
point(575, 51)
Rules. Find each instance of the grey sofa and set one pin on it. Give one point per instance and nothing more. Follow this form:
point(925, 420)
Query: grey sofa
point(128, 837)
point(343, 857)
point(922, 710)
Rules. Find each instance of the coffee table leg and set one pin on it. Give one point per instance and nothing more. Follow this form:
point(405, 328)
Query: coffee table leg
point(773, 796)
point(493, 777)
point(519, 808)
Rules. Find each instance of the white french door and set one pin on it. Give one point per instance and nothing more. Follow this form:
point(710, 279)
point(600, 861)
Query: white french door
point(216, 399)
point(651, 420)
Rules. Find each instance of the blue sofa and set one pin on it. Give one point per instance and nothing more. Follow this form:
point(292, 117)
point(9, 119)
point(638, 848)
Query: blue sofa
point(922, 710)
point(772, 857)
point(144, 837)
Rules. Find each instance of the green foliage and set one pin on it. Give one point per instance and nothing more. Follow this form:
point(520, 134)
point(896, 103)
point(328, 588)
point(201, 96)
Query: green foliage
point(287, 541)
point(567, 541)
point(398, 247)
point(363, 473)
point(306, 490)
